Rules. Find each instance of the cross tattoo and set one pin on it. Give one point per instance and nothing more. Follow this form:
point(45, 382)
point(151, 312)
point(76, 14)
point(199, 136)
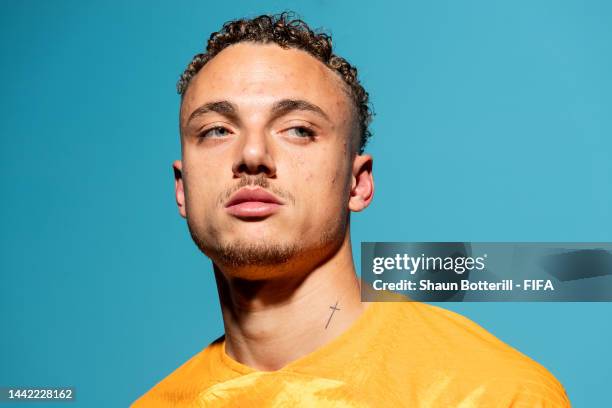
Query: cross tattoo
point(334, 308)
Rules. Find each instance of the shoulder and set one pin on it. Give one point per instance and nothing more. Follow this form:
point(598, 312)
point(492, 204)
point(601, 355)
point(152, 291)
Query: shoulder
point(470, 357)
point(184, 384)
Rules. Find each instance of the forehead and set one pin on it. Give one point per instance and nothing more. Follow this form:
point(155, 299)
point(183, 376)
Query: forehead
point(254, 75)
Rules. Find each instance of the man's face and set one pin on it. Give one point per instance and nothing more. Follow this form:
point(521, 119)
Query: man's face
point(269, 158)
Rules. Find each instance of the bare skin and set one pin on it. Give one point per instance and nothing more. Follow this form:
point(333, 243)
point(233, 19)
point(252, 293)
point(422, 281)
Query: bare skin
point(263, 117)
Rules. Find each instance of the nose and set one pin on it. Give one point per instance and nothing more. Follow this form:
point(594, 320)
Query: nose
point(254, 156)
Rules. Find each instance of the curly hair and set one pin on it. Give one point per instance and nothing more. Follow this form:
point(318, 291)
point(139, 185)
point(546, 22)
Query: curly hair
point(287, 32)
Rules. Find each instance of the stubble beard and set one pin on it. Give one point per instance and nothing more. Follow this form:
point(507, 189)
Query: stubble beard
point(241, 253)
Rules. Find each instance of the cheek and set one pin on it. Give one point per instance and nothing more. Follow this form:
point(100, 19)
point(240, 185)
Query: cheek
point(200, 188)
point(325, 189)
point(309, 174)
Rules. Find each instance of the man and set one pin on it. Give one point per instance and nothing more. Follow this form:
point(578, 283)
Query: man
point(273, 127)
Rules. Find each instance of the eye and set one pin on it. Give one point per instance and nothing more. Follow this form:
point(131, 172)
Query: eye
point(301, 132)
point(215, 132)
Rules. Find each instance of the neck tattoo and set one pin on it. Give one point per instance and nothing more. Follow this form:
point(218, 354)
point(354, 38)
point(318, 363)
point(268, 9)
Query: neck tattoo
point(334, 308)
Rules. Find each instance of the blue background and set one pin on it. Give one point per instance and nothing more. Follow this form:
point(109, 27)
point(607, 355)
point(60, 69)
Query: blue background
point(493, 124)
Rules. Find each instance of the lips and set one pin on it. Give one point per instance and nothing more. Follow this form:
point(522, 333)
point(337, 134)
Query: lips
point(253, 203)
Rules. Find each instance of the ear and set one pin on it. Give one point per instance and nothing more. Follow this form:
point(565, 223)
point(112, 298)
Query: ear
point(362, 186)
point(179, 191)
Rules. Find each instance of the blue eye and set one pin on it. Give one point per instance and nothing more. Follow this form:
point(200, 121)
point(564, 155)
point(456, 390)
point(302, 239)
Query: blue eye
point(215, 132)
point(301, 132)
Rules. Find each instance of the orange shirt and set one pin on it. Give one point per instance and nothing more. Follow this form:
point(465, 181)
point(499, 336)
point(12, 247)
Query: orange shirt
point(395, 354)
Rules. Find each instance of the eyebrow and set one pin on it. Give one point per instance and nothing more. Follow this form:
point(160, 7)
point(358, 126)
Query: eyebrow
point(224, 108)
point(285, 106)
point(280, 108)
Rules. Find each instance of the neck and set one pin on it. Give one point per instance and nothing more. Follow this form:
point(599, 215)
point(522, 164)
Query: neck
point(270, 323)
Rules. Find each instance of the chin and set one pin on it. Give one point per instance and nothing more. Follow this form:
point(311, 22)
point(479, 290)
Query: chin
point(257, 230)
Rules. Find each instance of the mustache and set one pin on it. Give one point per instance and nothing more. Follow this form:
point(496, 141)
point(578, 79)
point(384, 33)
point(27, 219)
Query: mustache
point(260, 180)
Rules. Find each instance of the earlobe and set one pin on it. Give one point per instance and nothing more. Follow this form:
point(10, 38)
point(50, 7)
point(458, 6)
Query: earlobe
point(362, 186)
point(179, 190)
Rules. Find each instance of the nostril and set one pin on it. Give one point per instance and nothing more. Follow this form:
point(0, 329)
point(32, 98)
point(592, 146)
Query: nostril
point(264, 169)
point(252, 161)
point(244, 168)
